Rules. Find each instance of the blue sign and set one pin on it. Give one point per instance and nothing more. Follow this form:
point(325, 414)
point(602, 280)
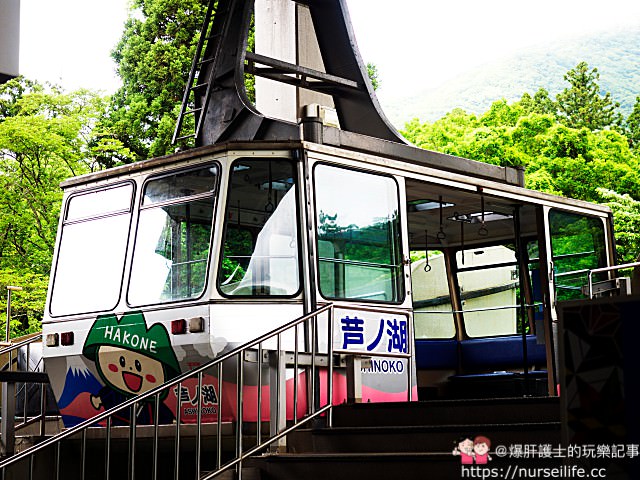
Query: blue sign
point(371, 333)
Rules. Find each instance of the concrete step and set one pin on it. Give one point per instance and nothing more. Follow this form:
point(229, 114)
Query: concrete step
point(419, 436)
point(385, 466)
point(448, 412)
point(418, 439)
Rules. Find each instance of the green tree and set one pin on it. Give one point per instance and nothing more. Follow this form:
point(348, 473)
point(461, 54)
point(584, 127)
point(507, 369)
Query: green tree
point(633, 126)
point(446, 135)
point(501, 114)
point(530, 133)
point(154, 58)
point(44, 139)
point(543, 103)
point(575, 162)
point(27, 306)
point(582, 105)
point(540, 103)
point(374, 75)
point(559, 159)
point(626, 212)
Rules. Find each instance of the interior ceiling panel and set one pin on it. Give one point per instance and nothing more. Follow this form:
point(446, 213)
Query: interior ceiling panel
point(454, 233)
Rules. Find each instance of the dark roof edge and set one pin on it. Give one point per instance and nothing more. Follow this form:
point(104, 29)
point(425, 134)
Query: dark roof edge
point(175, 158)
point(335, 138)
point(422, 157)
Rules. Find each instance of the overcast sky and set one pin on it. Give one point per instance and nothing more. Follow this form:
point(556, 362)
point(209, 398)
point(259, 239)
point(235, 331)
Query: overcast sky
point(414, 43)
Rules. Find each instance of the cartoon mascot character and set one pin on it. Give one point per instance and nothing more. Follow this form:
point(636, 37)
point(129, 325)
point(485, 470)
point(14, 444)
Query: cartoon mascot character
point(131, 359)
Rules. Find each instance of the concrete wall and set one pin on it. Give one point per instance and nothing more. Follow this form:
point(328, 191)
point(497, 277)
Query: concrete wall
point(275, 22)
point(9, 38)
point(284, 31)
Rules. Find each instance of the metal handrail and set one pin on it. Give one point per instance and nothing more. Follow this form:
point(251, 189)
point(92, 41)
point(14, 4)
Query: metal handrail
point(344, 261)
point(159, 389)
point(278, 422)
point(486, 309)
point(606, 269)
point(8, 425)
point(15, 346)
point(597, 270)
point(239, 353)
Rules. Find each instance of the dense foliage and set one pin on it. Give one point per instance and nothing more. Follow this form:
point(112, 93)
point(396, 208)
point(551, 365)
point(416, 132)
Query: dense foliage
point(576, 145)
point(154, 58)
point(582, 105)
point(46, 136)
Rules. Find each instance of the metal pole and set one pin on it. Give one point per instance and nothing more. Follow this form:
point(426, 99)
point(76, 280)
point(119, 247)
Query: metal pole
point(10, 288)
point(7, 426)
point(8, 417)
point(354, 379)
point(8, 314)
point(330, 367)
point(523, 309)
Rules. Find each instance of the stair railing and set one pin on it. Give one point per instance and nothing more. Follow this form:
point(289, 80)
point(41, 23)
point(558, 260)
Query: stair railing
point(302, 349)
point(590, 272)
point(17, 415)
point(307, 356)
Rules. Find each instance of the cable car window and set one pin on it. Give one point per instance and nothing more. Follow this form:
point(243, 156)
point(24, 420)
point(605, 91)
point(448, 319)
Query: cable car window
point(180, 185)
point(92, 250)
point(260, 249)
point(173, 237)
point(432, 310)
point(100, 202)
point(359, 249)
point(577, 244)
point(489, 290)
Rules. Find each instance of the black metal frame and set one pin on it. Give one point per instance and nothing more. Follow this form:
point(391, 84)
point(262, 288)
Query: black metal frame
point(223, 112)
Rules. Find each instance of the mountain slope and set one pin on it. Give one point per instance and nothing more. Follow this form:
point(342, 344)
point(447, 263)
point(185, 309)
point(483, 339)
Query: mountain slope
point(616, 55)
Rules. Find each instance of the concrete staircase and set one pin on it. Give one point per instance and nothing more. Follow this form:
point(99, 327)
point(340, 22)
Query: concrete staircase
point(416, 440)
point(367, 441)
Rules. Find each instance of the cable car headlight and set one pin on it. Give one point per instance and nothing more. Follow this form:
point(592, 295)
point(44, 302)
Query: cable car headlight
point(52, 340)
point(196, 325)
